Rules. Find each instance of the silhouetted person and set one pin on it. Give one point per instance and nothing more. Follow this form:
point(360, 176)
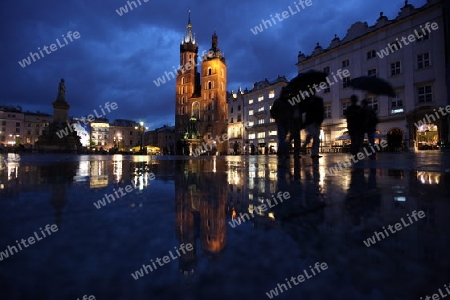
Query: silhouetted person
point(314, 117)
point(353, 114)
point(280, 111)
point(369, 122)
point(295, 125)
point(235, 147)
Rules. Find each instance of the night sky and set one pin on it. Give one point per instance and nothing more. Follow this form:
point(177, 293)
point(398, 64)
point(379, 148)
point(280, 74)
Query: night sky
point(117, 58)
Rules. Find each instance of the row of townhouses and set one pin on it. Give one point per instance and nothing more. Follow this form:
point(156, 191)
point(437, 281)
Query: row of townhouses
point(411, 51)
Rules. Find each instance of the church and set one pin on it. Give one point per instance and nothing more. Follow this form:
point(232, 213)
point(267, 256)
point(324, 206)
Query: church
point(201, 108)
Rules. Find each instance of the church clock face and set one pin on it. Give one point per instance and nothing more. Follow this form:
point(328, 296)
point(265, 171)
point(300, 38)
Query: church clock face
point(210, 53)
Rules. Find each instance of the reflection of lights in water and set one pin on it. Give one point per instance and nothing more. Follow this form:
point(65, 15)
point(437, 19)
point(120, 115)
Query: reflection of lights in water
point(250, 208)
point(214, 165)
point(429, 177)
point(271, 216)
point(400, 198)
point(233, 214)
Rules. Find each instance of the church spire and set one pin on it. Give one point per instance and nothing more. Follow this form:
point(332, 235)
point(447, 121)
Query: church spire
point(189, 37)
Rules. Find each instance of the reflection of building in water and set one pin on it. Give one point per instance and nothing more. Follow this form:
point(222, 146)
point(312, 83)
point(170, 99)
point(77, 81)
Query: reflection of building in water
point(251, 188)
point(98, 174)
point(200, 196)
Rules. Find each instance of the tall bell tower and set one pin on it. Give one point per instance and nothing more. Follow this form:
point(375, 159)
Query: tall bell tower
point(187, 81)
point(201, 113)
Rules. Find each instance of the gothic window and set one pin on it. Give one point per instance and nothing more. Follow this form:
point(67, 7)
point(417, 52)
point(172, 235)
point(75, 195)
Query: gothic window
point(209, 71)
point(196, 110)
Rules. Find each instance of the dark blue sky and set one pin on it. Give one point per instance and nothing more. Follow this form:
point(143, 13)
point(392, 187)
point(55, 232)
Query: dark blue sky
point(117, 57)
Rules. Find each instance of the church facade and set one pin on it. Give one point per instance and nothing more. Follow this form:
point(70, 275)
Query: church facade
point(201, 113)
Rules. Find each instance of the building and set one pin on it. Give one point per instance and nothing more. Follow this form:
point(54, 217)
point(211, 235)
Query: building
point(11, 125)
point(236, 123)
point(412, 52)
point(200, 110)
point(126, 134)
point(34, 124)
point(100, 135)
point(163, 138)
point(256, 127)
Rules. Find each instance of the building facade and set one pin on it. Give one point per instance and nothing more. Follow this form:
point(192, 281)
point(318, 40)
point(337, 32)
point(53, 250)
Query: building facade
point(200, 109)
point(412, 53)
point(252, 124)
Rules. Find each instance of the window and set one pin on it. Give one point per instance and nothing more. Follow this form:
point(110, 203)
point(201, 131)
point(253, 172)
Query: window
point(373, 102)
point(250, 101)
point(250, 112)
point(371, 54)
point(182, 80)
point(231, 110)
point(395, 68)
point(326, 70)
point(372, 72)
point(251, 123)
point(209, 86)
point(17, 124)
point(196, 110)
point(272, 132)
point(251, 136)
point(239, 118)
point(131, 132)
point(327, 111)
point(18, 130)
point(345, 63)
point(272, 94)
point(209, 71)
point(260, 98)
point(423, 60)
point(261, 121)
point(424, 94)
point(29, 125)
point(272, 120)
point(261, 135)
point(261, 108)
point(239, 108)
point(3, 123)
point(221, 72)
point(346, 82)
point(397, 103)
point(231, 120)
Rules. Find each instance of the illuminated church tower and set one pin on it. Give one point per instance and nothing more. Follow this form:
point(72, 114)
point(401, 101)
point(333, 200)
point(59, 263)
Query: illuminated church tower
point(201, 110)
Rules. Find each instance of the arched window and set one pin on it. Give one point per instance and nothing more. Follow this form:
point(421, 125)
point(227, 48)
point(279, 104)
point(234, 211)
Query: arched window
point(209, 85)
point(182, 80)
point(196, 110)
point(209, 71)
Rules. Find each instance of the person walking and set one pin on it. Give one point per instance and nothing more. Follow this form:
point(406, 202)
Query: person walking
point(369, 122)
point(314, 110)
point(353, 114)
point(280, 111)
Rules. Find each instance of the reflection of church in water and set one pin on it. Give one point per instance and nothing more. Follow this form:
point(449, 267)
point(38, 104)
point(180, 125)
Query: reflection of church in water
point(200, 210)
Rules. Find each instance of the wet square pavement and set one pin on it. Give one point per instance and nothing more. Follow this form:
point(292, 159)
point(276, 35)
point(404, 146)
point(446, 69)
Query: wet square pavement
point(214, 204)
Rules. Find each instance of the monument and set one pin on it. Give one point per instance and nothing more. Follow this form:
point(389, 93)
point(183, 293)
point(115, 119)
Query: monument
point(66, 140)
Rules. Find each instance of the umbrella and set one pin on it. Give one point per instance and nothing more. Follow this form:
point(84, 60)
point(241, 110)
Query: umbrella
point(302, 80)
point(373, 85)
